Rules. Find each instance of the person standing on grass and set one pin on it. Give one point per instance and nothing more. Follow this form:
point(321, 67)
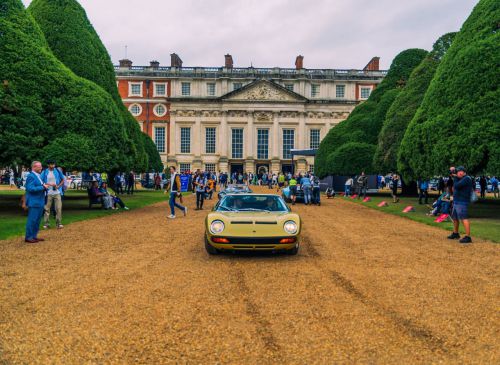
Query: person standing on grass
point(130, 183)
point(362, 184)
point(462, 190)
point(494, 186)
point(175, 190)
point(395, 182)
point(423, 187)
point(483, 183)
point(347, 186)
point(55, 179)
point(35, 201)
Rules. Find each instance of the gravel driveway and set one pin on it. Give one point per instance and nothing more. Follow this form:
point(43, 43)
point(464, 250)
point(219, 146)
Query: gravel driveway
point(366, 287)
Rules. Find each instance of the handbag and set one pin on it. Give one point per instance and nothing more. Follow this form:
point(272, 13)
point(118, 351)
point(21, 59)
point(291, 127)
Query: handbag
point(473, 196)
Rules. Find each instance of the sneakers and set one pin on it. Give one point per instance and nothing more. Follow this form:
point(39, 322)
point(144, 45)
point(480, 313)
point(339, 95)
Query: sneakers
point(185, 211)
point(126, 208)
point(454, 236)
point(466, 239)
point(46, 226)
point(60, 226)
point(171, 216)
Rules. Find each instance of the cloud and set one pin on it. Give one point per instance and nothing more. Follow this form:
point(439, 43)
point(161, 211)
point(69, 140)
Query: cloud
point(329, 33)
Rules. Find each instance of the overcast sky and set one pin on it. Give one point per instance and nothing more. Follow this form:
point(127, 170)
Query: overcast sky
point(268, 33)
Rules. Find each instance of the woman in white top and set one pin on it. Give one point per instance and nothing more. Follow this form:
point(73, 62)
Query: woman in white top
point(347, 187)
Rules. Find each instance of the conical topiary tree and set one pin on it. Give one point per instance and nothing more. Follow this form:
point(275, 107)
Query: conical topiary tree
point(42, 101)
point(364, 123)
point(75, 42)
point(405, 106)
point(458, 121)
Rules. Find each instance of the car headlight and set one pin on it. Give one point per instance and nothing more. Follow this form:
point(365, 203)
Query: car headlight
point(216, 227)
point(290, 227)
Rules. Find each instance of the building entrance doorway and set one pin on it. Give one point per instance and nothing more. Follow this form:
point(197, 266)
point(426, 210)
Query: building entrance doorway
point(262, 169)
point(236, 168)
point(287, 168)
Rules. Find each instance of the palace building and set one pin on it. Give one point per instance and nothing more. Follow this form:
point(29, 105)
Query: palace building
point(241, 119)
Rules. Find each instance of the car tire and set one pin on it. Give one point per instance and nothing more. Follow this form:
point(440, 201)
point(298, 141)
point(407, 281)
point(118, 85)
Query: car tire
point(210, 249)
point(293, 251)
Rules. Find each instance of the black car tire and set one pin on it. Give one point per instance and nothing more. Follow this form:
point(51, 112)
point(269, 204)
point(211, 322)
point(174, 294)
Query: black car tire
point(210, 249)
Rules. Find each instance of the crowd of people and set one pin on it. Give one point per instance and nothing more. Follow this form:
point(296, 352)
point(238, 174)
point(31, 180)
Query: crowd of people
point(45, 189)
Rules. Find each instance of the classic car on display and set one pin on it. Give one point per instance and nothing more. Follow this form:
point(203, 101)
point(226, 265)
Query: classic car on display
point(234, 189)
point(252, 222)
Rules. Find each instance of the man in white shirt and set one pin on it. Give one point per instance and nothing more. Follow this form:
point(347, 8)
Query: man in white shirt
point(55, 179)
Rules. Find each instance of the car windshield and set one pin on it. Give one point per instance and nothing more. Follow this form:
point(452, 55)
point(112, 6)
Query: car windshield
point(236, 189)
point(249, 203)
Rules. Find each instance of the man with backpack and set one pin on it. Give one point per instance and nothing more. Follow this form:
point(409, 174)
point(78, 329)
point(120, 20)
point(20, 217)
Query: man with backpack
point(315, 190)
point(462, 192)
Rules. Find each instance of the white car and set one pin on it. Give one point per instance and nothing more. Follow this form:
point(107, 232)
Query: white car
point(74, 182)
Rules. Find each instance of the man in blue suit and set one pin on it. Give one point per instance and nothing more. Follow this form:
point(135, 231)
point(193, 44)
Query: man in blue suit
point(35, 201)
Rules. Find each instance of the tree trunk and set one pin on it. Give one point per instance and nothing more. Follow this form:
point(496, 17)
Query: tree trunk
point(409, 189)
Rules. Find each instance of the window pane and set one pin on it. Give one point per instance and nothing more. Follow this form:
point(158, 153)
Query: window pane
point(210, 140)
point(160, 110)
point(186, 88)
point(186, 140)
point(135, 110)
point(136, 89)
point(314, 90)
point(209, 167)
point(340, 91)
point(160, 139)
point(160, 89)
point(237, 143)
point(185, 167)
point(289, 87)
point(262, 144)
point(211, 89)
point(288, 142)
point(314, 138)
point(365, 92)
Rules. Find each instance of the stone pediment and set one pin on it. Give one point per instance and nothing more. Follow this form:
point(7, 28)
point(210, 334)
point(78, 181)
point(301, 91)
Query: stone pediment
point(263, 90)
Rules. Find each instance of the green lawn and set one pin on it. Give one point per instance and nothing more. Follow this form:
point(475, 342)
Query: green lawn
point(484, 215)
point(75, 208)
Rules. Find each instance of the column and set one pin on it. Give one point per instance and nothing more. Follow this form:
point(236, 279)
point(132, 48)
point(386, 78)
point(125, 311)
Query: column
point(172, 145)
point(223, 143)
point(249, 139)
point(275, 152)
point(301, 133)
point(196, 142)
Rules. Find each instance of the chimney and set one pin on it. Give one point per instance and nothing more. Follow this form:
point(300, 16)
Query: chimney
point(125, 63)
point(228, 61)
point(175, 60)
point(373, 65)
point(154, 65)
point(299, 62)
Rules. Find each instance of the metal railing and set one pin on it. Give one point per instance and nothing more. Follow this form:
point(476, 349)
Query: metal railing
point(248, 72)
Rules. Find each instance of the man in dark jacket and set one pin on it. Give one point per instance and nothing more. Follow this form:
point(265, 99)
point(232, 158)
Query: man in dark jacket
point(462, 190)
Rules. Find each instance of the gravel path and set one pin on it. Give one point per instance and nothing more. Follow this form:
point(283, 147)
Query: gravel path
point(366, 287)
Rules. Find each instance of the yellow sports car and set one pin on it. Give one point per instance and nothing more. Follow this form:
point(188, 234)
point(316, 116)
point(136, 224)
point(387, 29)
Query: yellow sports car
point(252, 222)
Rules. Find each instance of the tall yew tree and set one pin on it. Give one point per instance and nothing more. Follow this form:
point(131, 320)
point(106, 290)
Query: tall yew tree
point(405, 106)
point(75, 42)
point(357, 135)
point(44, 106)
point(458, 122)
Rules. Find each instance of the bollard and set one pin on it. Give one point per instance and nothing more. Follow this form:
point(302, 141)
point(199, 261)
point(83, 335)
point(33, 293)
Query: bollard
point(382, 204)
point(366, 200)
point(408, 209)
point(441, 218)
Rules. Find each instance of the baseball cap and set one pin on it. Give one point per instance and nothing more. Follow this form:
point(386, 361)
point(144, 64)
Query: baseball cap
point(461, 168)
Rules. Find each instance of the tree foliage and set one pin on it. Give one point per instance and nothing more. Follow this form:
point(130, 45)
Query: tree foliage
point(364, 123)
point(405, 106)
point(154, 159)
point(42, 100)
point(458, 121)
point(75, 42)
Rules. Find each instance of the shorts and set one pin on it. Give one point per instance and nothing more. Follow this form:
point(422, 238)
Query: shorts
point(293, 190)
point(460, 211)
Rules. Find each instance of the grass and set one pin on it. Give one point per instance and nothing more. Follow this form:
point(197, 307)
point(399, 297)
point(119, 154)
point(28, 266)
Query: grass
point(484, 215)
point(75, 208)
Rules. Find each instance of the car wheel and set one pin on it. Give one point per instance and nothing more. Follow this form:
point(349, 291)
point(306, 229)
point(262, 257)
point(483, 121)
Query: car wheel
point(293, 251)
point(210, 249)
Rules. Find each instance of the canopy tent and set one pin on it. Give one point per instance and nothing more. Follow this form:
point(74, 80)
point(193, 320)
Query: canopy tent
point(306, 152)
